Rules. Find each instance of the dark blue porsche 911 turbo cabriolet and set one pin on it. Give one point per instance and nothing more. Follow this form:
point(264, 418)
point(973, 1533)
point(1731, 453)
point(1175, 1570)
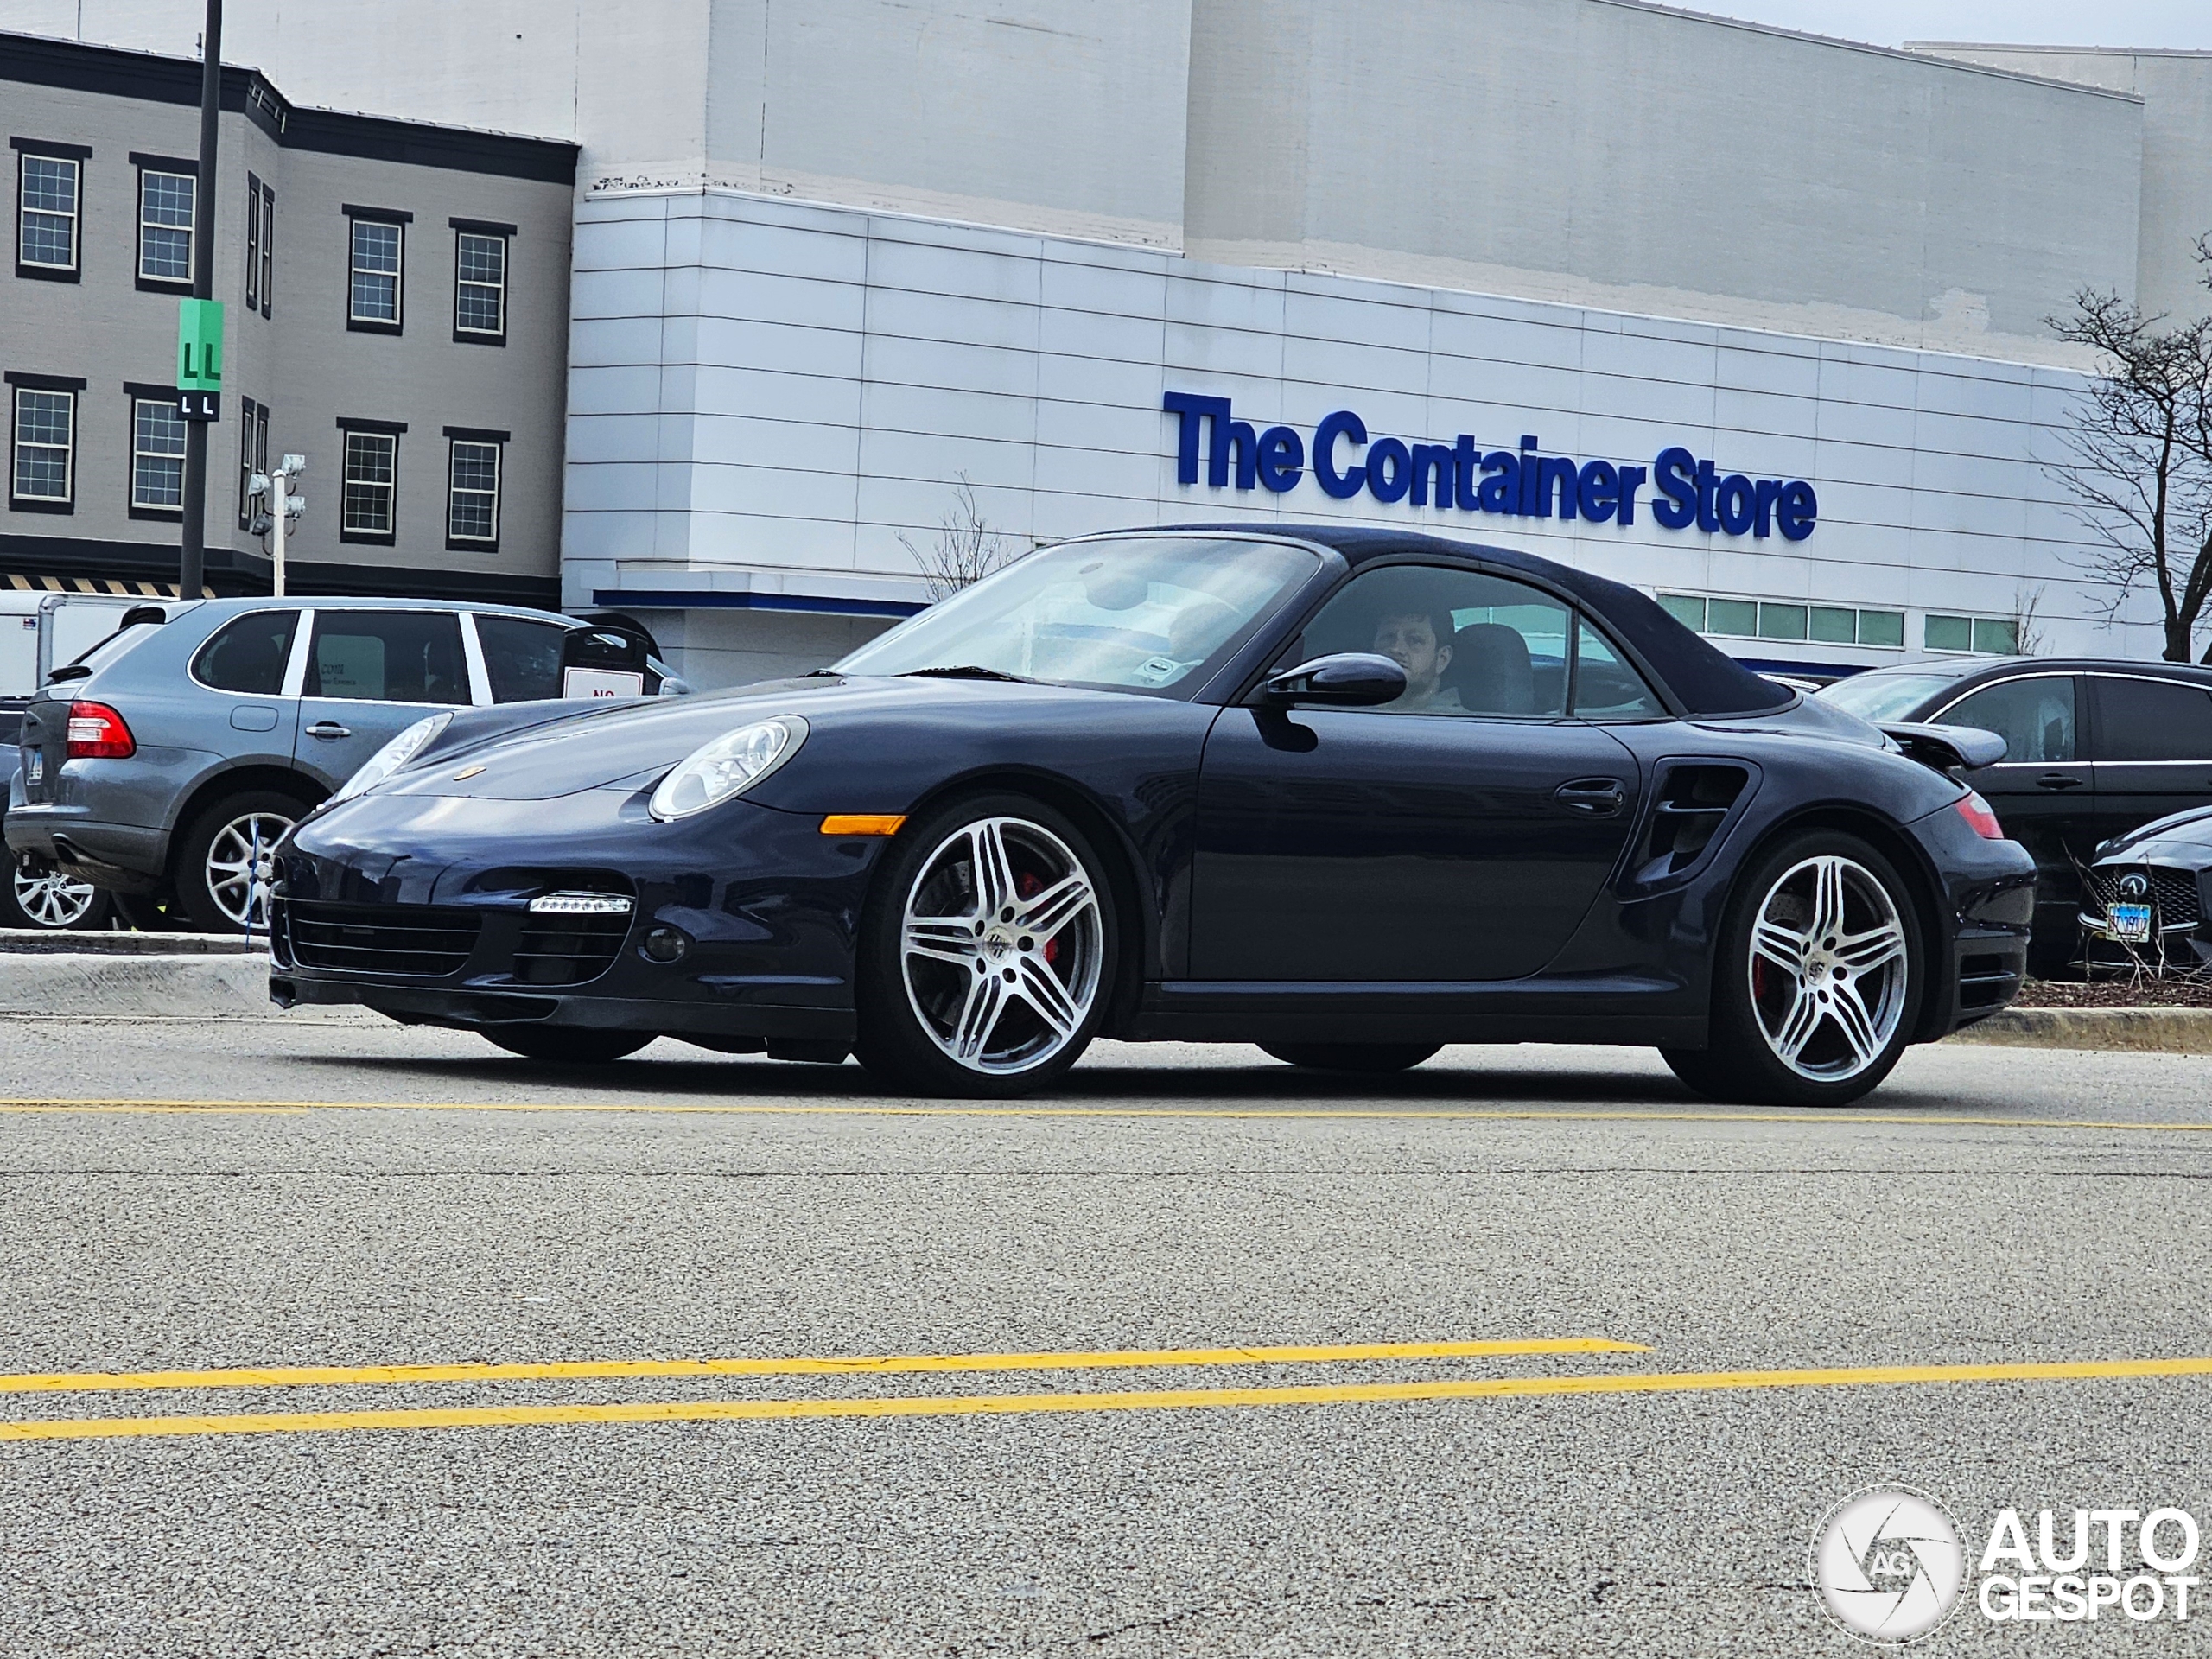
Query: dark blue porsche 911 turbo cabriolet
point(1346, 794)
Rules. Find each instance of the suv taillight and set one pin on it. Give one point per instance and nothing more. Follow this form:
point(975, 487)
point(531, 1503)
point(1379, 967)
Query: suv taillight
point(96, 731)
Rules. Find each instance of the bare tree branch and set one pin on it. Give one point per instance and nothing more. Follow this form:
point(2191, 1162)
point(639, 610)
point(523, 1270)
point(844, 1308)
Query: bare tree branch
point(966, 549)
point(2138, 461)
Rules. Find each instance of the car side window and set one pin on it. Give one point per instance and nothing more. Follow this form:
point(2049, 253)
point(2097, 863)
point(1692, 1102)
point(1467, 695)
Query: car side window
point(249, 653)
point(1470, 644)
point(2151, 720)
point(1606, 687)
point(522, 658)
point(2036, 717)
point(387, 657)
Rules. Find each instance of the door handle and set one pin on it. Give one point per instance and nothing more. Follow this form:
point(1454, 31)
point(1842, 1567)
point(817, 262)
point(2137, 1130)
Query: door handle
point(1597, 797)
point(328, 729)
point(2060, 780)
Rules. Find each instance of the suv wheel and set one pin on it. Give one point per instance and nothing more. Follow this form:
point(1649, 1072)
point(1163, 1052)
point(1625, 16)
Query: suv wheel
point(213, 872)
point(50, 902)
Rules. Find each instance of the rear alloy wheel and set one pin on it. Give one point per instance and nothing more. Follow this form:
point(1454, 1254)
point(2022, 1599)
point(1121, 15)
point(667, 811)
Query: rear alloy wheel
point(986, 952)
point(218, 886)
point(567, 1044)
point(1818, 984)
point(1374, 1058)
point(51, 901)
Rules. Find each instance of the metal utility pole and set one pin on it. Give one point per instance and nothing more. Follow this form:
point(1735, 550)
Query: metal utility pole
point(193, 558)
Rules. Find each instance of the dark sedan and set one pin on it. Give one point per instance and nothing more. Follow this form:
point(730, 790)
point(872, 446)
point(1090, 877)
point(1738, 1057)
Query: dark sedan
point(1350, 795)
point(2092, 750)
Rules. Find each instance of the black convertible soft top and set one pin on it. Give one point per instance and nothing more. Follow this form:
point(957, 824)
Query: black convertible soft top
point(1705, 681)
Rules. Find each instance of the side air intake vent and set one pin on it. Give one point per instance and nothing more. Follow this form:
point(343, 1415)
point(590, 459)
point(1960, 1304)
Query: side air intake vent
point(1694, 800)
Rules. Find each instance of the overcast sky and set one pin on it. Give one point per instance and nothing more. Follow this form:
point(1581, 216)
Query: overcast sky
point(2172, 24)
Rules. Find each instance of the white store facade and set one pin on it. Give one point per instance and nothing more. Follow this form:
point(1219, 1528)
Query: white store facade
point(744, 461)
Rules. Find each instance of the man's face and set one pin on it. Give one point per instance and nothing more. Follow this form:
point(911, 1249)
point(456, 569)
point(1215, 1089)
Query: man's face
point(1410, 642)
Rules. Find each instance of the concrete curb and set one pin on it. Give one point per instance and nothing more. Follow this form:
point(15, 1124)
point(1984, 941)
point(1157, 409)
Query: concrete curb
point(2136, 1031)
point(84, 985)
point(47, 943)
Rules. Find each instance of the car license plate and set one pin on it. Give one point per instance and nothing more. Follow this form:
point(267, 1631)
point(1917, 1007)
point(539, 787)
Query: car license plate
point(2128, 922)
point(33, 765)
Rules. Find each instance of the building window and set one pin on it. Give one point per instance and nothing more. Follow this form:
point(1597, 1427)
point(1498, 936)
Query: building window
point(368, 507)
point(157, 455)
point(47, 208)
point(379, 245)
point(1752, 618)
point(1986, 636)
point(268, 248)
point(253, 457)
point(252, 243)
point(43, 475)
point(479, 285)
point(473, 493)
point(165, 209)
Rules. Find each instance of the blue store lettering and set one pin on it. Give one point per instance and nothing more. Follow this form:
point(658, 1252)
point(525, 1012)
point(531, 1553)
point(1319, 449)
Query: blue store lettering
point(1687, 490)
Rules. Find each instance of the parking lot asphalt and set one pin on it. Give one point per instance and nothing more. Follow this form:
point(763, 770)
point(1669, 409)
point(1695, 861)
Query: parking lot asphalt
point(1585, 1360)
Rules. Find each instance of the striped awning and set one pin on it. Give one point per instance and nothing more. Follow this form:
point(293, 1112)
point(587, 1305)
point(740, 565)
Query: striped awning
point(118, 587)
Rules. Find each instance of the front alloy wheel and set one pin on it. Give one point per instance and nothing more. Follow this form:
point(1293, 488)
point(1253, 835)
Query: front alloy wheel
point(218, 873)
point(988, 952)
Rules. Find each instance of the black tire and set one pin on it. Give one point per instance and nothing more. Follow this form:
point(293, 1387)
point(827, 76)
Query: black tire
point(1740, 1064)
point(49, 903)
point(202, 908)
point(908, 1031)
point(1374, 1058)
point(567, 1044)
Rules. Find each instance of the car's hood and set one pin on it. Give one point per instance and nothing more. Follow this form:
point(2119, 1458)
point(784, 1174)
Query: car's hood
point(2182, 832)
point(631, 743)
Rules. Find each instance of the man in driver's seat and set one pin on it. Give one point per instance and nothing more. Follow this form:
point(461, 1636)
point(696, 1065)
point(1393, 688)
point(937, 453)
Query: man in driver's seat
point(1420, 643)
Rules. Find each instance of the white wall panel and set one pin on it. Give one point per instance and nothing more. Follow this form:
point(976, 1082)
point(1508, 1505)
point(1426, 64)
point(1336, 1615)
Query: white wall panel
point(1033, 368)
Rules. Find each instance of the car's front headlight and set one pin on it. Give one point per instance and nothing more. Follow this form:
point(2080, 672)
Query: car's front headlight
point(715, 772)
point(394, 755)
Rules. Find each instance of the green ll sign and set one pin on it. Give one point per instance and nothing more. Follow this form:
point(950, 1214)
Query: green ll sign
point(199, 345)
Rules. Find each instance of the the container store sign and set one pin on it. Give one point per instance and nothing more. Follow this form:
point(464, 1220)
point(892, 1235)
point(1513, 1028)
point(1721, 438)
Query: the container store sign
point(1686, 491)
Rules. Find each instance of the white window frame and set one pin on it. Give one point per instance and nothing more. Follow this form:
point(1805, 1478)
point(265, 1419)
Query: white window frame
point(17, 443)
point(398, 273)
point(346, 529)
point(189, 232)
point(138, 454)
point(460, 284)
point(252, 243)
point(453, 490)
point(76, 215)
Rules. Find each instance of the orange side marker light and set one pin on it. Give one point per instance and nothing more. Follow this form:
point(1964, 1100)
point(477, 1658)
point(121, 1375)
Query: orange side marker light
point(863, 824)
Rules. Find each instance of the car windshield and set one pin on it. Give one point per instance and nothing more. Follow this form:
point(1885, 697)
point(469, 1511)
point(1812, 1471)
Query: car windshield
point(1885, 696)
point(1152, 613)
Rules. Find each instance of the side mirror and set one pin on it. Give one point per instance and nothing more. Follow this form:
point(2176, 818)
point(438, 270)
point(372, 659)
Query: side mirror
point(1349, 679)
point(605, 663)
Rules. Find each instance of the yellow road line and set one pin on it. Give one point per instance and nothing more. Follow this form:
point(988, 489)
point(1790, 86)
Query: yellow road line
point(695, 1411)
point(266, 1376)
point(1954, 1120)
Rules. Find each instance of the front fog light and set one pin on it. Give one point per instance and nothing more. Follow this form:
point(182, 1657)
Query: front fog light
point(666, 944)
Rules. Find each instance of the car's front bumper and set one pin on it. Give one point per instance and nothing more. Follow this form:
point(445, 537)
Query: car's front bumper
point(2179, 933)
point(767, 908)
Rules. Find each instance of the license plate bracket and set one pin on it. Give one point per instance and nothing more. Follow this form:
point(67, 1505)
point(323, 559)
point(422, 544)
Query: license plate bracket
point(2129, 924)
